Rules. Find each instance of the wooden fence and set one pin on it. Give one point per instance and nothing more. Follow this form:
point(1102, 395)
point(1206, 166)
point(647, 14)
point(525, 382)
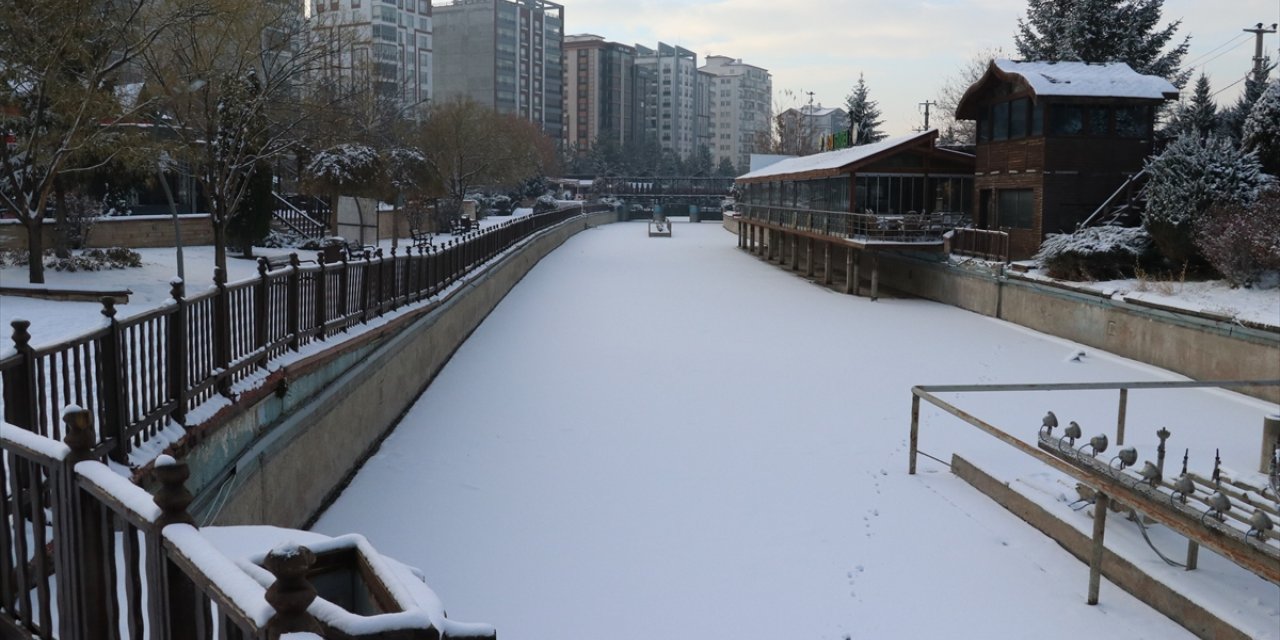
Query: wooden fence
point(87, 555)
point(980, 243)
point(135, 375)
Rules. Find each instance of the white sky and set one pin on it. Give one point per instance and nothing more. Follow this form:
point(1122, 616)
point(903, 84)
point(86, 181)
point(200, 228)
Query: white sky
point(906, 49)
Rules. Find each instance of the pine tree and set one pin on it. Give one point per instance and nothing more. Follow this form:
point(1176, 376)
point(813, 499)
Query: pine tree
point(726, 168)
point(1199, 115)
point(864, 114)
point(1188, 178)
point(1103, 31)
point(1232, 119)
point(1261, 131)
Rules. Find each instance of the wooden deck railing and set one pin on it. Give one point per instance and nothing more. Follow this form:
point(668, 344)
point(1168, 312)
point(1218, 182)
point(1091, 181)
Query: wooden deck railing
point(87, 555)
point(871, 227)
point(135, 375)
point(981, 243)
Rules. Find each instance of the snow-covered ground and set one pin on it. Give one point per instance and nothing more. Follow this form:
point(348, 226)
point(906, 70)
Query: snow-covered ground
point(670, 438)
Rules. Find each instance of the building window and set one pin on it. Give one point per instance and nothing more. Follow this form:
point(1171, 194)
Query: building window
point(1015, 208)
point(1037, 119)
point(1066, 120)
point(1018, 118)
point(1000, 121)
point(1099, 121)
point(1133, 122)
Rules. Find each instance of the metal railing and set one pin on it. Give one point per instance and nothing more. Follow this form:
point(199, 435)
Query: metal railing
point(924, 228)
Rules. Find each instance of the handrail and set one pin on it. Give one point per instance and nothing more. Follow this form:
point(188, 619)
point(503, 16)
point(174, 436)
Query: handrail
point(1110, 199)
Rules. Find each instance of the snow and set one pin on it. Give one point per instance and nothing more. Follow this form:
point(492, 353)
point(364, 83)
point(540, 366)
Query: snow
point(133, 497)
point(30, 441)
point(690, 442)
point(834, 159)
point(247, 594)
point(1079, 79)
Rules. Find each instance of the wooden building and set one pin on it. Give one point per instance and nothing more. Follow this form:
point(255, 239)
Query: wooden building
point(1055, 140)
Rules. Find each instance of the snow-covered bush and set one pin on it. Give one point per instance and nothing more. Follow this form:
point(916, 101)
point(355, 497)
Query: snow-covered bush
point(1187, 179)
point(545, 203)
point(347, 169)
point(501, 205)
point(1261, 130)
point(1095, 253)
point(1242, 242)
point(87, 260)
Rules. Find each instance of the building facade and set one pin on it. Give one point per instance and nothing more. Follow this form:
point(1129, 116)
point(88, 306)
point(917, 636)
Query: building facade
point(1055, 140)
point(505, 55)
point(600, 92)
point(803, 131)
point(673, 116)
point(380, 44)
point(741, 108)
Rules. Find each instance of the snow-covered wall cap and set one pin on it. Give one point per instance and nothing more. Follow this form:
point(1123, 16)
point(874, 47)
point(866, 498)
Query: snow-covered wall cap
point(165, 460)
point(832, 160)
point(1081, 79)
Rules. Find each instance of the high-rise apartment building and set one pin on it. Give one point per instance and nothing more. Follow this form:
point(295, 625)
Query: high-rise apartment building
point(741, 98)
point(600, 90)
point(803, 130)
point(504, 54)
point(674, 116)
point(385, 45)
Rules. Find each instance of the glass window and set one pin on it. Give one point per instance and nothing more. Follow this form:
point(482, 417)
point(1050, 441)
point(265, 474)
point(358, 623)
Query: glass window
point(1000, 121)
point(984, 129)
point(1018, 118)
point(1099, 121)
point(1066, 120)
point(1037, 119)
point(1133, 122)
point(1015, 208)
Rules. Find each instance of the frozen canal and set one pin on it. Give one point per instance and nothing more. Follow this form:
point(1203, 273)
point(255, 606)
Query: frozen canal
point(669, 438)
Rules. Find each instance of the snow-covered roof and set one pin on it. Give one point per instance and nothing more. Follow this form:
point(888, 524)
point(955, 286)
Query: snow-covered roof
point(831, 160)
point(1111, 80)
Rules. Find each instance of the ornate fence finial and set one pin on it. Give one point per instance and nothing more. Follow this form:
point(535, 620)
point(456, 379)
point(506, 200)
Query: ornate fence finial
point(177, 289)
point(291, 593)
point(108, 307)
point(262, 266)
point(173, 497)
point(78, 432)
point(21, 333)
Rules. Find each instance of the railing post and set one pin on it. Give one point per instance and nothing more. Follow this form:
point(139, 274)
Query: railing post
point(322, 297)
point(19, 381)
point(395, 272)
point(366, 288)
point(179, 350)
point(112, 385)
point(79, 532)
point(1120, 416)
point(344, 288)
point(915, 433)
point(293, 307)
point(262, 292)
point(1100, 506)
point(291, 593)
point(380, 281)
point(222, 330)
point(171, 595)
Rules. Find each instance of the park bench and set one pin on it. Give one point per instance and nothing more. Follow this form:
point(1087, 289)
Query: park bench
point(421, 239)
point(462, 224)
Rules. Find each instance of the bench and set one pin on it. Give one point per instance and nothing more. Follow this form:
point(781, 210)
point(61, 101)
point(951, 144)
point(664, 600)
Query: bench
point(421, 239)
point(461, 225)
point(355, 250)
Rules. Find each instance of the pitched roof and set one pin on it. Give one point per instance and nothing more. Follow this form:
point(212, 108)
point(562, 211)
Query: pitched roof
point(838, 159)
point(1069, 79)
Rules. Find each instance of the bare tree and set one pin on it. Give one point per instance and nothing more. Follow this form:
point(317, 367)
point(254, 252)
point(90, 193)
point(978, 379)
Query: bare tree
point(950, 130)
point(231, 95)
point(63, 63)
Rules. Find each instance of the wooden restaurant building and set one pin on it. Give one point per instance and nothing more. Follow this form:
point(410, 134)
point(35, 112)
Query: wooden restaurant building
point(899, 194)
point(1057, 142)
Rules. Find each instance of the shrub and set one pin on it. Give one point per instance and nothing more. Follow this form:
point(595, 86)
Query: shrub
point(1242, 241)
point(1095, 253)
point(545, 203)
point(1187, 179)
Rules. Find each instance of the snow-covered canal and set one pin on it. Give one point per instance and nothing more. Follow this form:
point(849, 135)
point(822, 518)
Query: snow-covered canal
point(669, 438)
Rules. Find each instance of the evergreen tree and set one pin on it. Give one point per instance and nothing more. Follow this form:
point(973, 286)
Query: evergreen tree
point(1188, 178)
point(1199, 115)
point(864, 114)
point(1232, 119)
point(699, 163)
point(1103, 31)
point(1261, 131)
point(726, 168)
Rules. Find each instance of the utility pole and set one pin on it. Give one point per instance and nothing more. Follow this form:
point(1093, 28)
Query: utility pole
point(1258, 60)
point(927, 104)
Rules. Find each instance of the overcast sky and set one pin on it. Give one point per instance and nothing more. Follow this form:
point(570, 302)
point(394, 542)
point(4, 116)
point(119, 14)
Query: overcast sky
point(905, 48)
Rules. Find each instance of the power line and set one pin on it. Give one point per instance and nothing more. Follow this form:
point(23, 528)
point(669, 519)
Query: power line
point(1237, 39)
point(1238, 45)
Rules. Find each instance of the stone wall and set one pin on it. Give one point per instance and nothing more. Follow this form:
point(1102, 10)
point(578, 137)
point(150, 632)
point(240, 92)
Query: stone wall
point(134, 232)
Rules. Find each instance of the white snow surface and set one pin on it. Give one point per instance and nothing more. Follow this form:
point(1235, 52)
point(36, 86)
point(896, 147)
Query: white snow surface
point(831, 160)
point(1111, 80)
point(671, 438)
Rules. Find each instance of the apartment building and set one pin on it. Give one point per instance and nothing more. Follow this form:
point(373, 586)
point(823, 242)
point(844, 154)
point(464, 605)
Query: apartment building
point(383, 44)
point(673, 118)
point(803, 130)
point(741, 106)
point(600, 90)
point(504, 54)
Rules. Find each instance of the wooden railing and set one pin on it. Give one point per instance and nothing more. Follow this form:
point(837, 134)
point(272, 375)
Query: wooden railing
point(981, 243)
point(87, 555)
point(310, 224)
point(134, 376)
point(904, 228)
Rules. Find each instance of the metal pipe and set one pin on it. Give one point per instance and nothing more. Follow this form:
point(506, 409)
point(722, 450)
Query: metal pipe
point(1100, 507)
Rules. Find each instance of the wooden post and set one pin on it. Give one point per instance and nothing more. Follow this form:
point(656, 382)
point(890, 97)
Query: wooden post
point(112, 385)
point(262, 292)
point(850, 285)
point(19, 382)
point(291, 593)
point(179, 350)
point(1193, 554)
point(808, 257)
point(171, 594)
point(826, 263)
point(344, 288)
point(84, 571)
point(1100, 507)
point(795, 252)
point(293, 306)
point(1124, 403)
point(857, 272)
point(915, 434)
point(875, 275)
point(221, 330)
point(321, 293)
point(366, 288)
point(395, 290)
